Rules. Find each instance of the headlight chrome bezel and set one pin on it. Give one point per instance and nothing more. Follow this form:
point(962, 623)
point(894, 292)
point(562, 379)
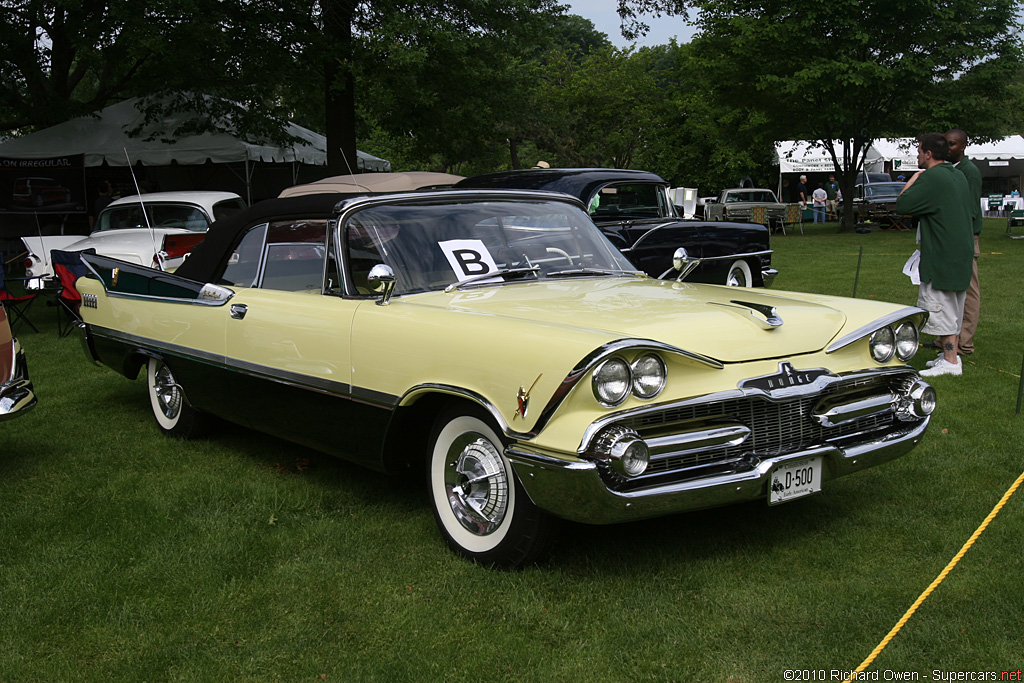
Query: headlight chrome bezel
point(882, 344)
point(636, 377)
point(601, 379)
point(898, 341)
point(660, 375)
point(912, 338)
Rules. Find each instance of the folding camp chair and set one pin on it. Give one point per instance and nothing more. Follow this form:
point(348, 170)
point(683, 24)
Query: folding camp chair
point(1016, 219)
point(68, 267)
point(17, 305)
point(794, 214)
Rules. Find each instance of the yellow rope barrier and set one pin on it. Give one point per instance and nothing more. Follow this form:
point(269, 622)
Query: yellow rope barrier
point(942, 575)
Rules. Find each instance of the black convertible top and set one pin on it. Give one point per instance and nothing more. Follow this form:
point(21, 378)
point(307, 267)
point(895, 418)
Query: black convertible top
point(206, 257)
point(582, 183)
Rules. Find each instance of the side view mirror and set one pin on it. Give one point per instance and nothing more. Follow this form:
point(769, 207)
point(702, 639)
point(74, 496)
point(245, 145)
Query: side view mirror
point(684, 263)
point(382, 279)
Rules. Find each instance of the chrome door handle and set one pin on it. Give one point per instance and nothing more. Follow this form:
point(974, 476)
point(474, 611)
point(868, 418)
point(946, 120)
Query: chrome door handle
point(238, 311)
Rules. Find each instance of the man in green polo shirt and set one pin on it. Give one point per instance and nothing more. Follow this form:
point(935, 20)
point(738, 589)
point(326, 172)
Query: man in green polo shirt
point(832, 194)
point(939, 196)
point(957, 139)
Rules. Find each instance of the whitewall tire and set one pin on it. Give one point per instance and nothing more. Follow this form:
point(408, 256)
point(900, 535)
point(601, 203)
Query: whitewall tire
point(739, 275)
point(480, 508)
point(172, 411)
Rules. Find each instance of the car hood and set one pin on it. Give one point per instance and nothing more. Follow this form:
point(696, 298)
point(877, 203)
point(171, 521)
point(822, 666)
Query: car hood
point(725, 323)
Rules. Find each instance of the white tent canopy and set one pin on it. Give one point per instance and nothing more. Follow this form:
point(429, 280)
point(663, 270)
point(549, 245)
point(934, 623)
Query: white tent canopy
point(899, 154)
point(104, 139)
point(802, 156)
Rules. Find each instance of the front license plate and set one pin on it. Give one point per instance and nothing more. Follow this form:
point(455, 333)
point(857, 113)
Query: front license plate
point(795, 479)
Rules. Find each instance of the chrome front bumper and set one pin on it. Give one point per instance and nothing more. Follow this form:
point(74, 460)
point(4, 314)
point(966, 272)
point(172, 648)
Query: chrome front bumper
point(574, 490)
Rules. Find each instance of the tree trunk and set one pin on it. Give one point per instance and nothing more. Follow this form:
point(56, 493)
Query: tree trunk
point(513, 152)
point(339, 88)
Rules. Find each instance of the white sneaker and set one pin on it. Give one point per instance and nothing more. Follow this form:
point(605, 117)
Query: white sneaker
point(944, 367)
point(933, 361)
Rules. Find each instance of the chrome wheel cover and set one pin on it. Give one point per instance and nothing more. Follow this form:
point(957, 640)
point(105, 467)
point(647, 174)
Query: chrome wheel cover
point(476, 484)
point(167, 392)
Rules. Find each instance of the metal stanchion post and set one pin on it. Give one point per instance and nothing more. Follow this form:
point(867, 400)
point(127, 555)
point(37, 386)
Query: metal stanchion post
point(1020, 387)
point(856, 278)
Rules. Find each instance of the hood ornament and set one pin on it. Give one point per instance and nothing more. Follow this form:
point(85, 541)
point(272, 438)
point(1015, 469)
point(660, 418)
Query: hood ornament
point(765, 316)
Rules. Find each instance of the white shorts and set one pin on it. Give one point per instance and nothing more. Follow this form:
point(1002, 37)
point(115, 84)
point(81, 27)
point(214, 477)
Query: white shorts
point(945, 310)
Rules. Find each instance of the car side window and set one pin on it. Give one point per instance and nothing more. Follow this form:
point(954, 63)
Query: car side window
point(244, 262)
point(639, 200)
point(294, 256)
point(364, 251)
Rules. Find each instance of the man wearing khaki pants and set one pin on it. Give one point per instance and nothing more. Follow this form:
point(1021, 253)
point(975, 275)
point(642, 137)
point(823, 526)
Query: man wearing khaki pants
point(957, 140)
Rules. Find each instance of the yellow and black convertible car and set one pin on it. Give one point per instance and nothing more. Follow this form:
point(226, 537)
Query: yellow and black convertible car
point(498, 344)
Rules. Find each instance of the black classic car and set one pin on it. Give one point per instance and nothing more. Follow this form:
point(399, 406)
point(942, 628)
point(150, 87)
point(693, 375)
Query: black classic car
point(632, 209)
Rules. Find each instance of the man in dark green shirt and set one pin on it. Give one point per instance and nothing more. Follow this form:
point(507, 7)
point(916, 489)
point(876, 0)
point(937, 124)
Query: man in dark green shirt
point(957, 139)
point(938, 196)
point(832, 193)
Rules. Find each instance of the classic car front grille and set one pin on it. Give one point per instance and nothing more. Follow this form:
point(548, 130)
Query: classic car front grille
point(777, 426)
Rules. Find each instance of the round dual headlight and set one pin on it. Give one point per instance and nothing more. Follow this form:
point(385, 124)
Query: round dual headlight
point(612, 382)
point(649, 376)
point(882, 344)
point(906, 341)
point(614, 379)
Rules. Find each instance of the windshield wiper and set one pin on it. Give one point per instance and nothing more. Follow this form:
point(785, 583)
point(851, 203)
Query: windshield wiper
point(501, 272)
point(575, 272)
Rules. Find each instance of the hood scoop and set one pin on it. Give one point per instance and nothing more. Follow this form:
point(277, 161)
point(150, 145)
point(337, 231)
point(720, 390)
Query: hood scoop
point(765, 317)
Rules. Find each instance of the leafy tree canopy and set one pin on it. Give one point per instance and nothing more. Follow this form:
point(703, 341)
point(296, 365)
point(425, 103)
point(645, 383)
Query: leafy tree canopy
point(857, 70)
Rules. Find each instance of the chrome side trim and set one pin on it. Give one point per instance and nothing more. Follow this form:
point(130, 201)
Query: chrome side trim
point(431, 388)
point(294, 379)
point(209, 295)
point(861, 332)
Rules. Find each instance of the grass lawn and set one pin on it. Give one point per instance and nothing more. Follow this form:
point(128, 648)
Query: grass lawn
point(125, 555)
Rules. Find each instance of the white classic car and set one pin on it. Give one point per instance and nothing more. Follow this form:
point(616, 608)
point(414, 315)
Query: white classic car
point(172, 223)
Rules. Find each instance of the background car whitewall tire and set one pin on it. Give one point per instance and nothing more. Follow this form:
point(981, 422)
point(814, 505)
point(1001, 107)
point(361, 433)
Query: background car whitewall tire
point(739, 275)
point(173, 413)
point(480, 508)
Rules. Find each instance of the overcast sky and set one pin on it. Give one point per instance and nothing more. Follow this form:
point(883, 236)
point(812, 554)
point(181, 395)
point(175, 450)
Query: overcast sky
point(606, 19)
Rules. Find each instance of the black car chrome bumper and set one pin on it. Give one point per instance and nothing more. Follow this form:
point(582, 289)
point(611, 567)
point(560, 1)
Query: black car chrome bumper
point(575, 490)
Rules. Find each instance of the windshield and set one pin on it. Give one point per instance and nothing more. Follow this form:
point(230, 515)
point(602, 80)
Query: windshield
point(883, 190)
point(751, 196)
point(126, 216)
point(431, 246)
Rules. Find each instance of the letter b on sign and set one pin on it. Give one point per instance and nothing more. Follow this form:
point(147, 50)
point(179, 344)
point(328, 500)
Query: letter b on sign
point(468, 258)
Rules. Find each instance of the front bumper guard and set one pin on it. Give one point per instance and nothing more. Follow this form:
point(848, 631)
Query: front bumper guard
point(574, 490)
